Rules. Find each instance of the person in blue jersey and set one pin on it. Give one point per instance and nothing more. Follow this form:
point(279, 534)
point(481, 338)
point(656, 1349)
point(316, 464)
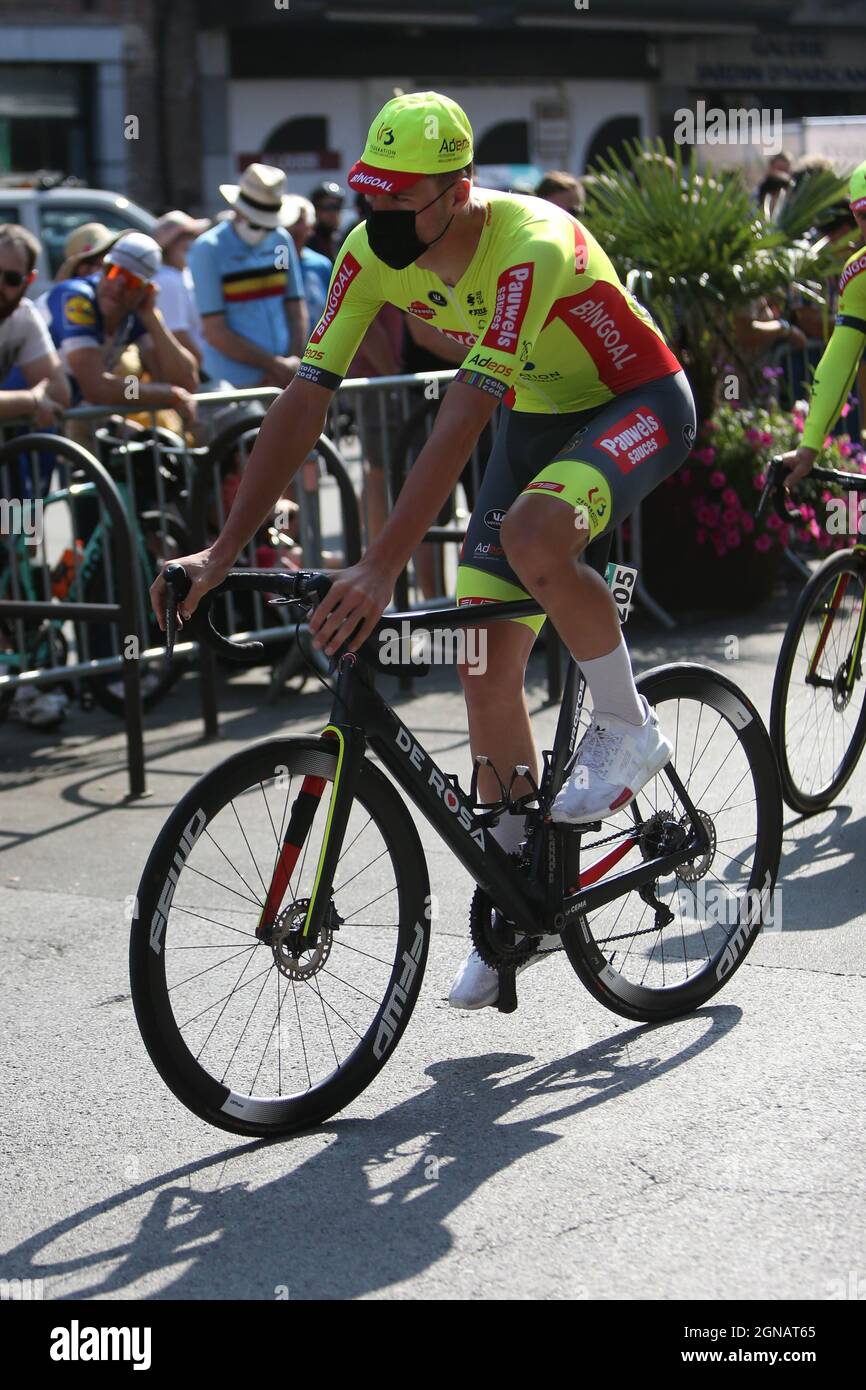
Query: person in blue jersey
point(94, 318)
point(248, 286)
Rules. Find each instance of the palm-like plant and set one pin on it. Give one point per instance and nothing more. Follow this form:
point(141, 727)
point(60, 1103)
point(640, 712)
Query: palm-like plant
point(696, 250)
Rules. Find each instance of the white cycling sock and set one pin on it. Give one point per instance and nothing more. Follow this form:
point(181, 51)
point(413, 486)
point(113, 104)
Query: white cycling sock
point(612, 686)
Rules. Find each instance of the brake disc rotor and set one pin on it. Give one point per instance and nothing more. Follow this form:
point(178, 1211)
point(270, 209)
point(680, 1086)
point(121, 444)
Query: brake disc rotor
point(297, 956)
point(696, 868)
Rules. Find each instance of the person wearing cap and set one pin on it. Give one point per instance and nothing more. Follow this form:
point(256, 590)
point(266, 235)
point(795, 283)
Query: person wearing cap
point(327, 199)
point(248, 286)
point(597, 412)
point(175, 233)
point(94, 318)
point(837, 369)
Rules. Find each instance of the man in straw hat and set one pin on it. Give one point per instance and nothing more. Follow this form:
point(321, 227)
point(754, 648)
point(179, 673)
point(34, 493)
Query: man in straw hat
point(84, 250)
point(248, 286)
point(175, 233)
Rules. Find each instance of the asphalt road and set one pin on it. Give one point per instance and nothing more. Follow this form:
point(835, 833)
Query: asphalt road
point(559, 1152)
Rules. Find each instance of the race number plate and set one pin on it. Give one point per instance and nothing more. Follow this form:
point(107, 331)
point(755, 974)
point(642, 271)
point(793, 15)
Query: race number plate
point(621, 581)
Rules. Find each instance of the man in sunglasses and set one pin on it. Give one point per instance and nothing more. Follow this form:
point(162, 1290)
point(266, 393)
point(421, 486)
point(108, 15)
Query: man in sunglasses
point(32, 381)
point(93, 319)
point(327, 199)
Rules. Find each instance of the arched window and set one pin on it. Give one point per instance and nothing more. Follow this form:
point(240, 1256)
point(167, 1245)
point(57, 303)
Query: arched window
point(611, 135)
point(505, 143)
point(298, 136)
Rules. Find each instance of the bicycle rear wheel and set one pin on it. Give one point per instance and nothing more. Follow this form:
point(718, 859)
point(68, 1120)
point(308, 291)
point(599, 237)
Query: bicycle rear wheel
point(269, 1038)
point(633, 962)
point(818, 714)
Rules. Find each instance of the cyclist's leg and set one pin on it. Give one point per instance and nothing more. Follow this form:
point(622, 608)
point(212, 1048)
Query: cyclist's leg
point(630, 445)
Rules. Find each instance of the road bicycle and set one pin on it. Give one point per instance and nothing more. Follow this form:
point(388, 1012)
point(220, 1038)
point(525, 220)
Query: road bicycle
point(280, 933)
point(818, 709)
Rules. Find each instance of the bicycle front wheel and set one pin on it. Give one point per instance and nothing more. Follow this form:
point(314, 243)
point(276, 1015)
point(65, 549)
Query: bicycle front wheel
point(266, 1037)
point(818, 712)
point(649, 964)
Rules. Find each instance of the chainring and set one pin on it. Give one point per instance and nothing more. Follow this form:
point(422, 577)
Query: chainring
point(494, 937)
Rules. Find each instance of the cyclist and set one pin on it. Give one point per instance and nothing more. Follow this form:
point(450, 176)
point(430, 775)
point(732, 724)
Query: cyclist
point(598, 412)
point(835, 373)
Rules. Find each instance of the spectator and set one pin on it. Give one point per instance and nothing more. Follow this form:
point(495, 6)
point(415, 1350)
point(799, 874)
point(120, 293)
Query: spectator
point(327, 199)
point(780, 163)
point(299, 217)
point(40, 395)
point(94, 318)
point(564, 190)
point(84, 250)
point(248, 286)
point(771, 190)
point(175, 233)
point(25, 342)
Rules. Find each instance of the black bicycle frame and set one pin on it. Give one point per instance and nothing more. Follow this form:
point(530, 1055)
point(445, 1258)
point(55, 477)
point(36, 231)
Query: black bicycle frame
point(540, 904)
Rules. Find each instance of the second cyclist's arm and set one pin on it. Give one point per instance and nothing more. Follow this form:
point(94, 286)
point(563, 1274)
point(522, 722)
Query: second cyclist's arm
point(835, 373)
point(462, 416)
point(289, 432)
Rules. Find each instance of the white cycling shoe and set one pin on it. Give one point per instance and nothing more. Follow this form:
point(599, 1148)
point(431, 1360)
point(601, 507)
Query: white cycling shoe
point(476, 985)
point(614, 760)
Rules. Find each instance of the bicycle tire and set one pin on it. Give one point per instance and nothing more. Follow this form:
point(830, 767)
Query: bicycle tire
point(605, 981)
point(200, 1091)
point(807, 802)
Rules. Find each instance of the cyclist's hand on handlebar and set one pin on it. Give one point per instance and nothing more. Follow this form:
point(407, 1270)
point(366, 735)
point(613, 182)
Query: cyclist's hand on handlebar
point(800, 462)
point(359, 594)
point(205, 574)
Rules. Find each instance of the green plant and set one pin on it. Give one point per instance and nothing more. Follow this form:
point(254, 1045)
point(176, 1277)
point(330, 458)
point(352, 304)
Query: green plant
point(696, 251)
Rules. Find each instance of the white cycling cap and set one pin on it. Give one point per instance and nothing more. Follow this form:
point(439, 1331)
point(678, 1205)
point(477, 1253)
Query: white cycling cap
point(138, 253)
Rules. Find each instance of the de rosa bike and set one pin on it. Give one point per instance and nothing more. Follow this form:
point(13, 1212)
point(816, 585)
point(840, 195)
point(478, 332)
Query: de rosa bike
point(283, 918)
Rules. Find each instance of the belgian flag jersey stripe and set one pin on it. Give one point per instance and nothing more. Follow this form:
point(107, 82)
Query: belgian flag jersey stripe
point(246, 285)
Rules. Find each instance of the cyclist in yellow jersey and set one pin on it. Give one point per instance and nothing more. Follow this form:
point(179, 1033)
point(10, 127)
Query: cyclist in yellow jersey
point(598, 412)
point(837, 370)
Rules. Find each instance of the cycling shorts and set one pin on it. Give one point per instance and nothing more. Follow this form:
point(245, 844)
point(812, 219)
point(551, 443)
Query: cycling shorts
point(601, 463)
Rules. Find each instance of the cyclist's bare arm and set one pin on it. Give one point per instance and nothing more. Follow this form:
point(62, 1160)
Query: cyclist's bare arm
point(288, 433)
point(360, 595)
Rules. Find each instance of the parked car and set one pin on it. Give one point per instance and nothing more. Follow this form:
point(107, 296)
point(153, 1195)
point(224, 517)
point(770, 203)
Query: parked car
point(52, 213)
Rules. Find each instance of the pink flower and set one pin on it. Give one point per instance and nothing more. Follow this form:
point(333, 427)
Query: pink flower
point(732, 538)
point(763, 543)
point(759, 481)
point(717, 479)
point(730, 516)
point(799, 424)
point(704, 455)
point(845, 449)
point(753, 436)
point(747, 522)
point(710, 427)
point(773, 522)
point(712, 516)
point(824, 541)
point(766, 438)
point(730, 497)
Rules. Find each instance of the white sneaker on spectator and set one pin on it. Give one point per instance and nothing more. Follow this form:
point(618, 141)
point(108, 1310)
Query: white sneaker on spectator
point(41, 709)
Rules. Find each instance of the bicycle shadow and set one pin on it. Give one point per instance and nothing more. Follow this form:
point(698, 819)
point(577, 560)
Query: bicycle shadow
point(370, 1209)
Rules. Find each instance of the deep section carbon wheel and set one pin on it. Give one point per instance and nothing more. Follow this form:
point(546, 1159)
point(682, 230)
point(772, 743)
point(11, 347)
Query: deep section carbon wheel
point(269, 1033)
point(663, 951)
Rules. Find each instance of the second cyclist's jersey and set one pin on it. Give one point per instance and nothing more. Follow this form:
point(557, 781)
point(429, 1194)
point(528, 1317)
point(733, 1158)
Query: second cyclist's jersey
point(834, 374)
point(545, 321)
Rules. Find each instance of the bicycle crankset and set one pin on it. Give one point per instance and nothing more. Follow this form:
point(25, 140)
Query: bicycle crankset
point(298, 956)
point(494, 938)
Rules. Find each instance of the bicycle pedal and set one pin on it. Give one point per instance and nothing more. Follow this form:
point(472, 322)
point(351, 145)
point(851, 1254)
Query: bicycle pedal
point(506, 1002)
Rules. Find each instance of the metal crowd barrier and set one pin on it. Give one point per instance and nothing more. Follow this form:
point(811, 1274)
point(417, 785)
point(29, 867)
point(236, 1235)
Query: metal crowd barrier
point(26, 574)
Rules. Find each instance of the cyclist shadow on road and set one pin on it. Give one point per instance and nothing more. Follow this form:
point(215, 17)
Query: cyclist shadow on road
point(369, 1209)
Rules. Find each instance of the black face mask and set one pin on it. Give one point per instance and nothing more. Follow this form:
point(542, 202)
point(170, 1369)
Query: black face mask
point(393, 238)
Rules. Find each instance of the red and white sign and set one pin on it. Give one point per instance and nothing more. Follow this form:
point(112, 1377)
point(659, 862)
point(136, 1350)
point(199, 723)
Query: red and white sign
point(512, 299)
point(633, 438)
point(346, 273)
point(422, 310)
